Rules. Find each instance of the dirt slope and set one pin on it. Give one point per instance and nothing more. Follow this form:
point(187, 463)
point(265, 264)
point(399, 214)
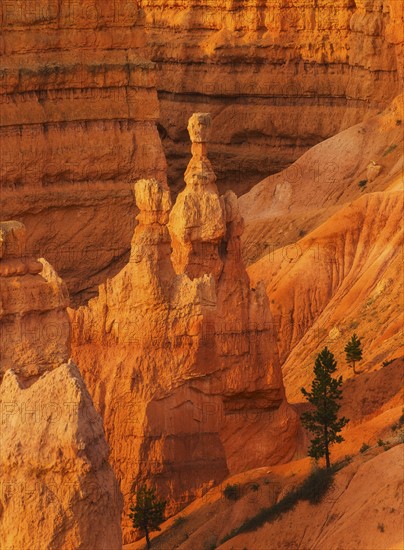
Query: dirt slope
point(345, 276)
point(286, 206)
point(355, 513)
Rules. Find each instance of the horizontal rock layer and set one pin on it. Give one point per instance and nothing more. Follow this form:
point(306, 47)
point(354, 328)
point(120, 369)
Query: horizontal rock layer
point(78, 107)
point(277, 76)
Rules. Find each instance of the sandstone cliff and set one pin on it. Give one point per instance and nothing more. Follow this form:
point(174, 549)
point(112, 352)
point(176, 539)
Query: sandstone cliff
point(78, 107)
point(346, 278)
point(57, 488)
point(179, 351)
point(278, 76)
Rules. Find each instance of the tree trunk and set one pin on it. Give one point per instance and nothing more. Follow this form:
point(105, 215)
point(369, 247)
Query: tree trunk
point(327, 451)
point(353, 366)
point(147, 539)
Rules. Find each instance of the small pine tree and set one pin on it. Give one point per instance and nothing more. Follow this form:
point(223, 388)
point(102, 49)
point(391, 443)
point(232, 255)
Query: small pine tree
point(353, 351)
point(325, 393)
point(148, 512)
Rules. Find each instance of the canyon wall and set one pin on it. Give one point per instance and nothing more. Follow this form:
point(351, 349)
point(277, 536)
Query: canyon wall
point(284, 207)
point(57, 488)
point(329, 248)
point(277, 76)
point(342, 282)
point(78, 108)
point(178, 350)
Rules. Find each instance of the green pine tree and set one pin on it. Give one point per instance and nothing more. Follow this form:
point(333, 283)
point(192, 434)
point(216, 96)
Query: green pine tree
point(148, 512)
point(325, 395)
point(353, 351)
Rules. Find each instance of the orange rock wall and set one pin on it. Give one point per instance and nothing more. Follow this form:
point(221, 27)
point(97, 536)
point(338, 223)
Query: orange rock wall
point(77, 126)
point(277, 76)
point(57, 488)
point(179, 351)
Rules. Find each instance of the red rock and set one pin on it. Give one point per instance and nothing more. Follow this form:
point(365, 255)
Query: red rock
point(57, 488)
point(278, 77)
point(180, 358)
point(78, 111)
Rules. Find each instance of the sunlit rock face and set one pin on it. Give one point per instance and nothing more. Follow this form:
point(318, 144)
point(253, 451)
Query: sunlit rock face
point(57, 489)
point(179, 351)
point(277, 76)
point(78, 111)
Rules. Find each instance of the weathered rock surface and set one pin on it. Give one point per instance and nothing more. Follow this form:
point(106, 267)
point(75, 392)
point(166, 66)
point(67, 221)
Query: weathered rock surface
point(345, 277)
point(277, 76)
point(286, 206)
point(179, 354)
point(57, 489)
point(78, 111)
point(358, 513)
point(344, 274)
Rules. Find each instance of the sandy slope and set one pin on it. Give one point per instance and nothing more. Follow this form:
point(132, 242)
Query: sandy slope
point(361, 511)
point(285, 206)
point(345, 276)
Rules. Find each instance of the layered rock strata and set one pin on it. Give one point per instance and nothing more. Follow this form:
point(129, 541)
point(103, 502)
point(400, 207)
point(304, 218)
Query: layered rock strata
point(178, 350)
point(365, 158)
point(277, 76)
point(57, 488)
point(78, 111)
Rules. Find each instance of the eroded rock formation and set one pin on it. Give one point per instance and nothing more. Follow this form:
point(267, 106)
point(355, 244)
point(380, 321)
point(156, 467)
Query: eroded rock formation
point(339, 282)
point(365, 158)
point(278, 76)
point(57, 488)
point(78, 108)
point(179, 351)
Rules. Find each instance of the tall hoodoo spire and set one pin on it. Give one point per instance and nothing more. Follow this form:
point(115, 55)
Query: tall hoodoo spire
point(197, 220)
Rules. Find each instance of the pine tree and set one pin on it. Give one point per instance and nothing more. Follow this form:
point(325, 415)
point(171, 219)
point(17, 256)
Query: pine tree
point(353, 351)
point(323, 421)
point(148, 512)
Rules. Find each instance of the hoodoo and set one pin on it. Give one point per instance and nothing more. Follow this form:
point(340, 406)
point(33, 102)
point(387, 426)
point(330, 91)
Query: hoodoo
point(57, 488)
point(178, 350)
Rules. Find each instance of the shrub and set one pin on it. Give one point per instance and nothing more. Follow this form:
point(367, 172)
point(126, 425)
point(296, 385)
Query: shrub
point(362, 183)
point(387, 362)
point(380, 526)
point(364, 448)
point(397, 425)
point(254, 487)
point(342, 462)
point(381, 443)
point(231, 492)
